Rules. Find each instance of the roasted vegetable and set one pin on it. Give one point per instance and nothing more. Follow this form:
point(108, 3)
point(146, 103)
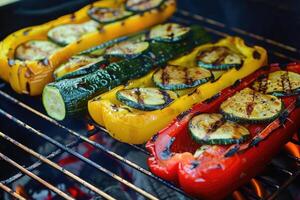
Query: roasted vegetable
point(219, 58)
point(212, 128)
point(215, 171)
point(252, 107)
point(69, 33)
point(74, 93)
point(127, 49)
point(142, 5)
point(177, 77)
point(170, 32)
point(30, 76)
point(120, 122)
point(108, 15)
point(35, 50)
point(279, 83)
point(146, 98)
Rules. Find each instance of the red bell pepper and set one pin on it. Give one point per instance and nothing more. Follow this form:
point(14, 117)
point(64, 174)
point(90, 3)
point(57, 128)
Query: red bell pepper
point(221, 169)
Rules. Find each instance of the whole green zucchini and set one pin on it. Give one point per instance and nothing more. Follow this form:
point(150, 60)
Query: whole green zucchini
point(70, 96)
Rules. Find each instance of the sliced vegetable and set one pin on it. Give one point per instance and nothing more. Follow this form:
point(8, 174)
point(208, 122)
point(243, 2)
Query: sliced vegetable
point(146, 98)
point(177, 77)
point(212, 128)
point(251, 106)
point(77, 91)
point(74, 63)
point(127, 49)
point(142, 5)
point(219, 58)
point(279, 83)
point(69, 33)
point(108, 15)
point(170, 32)
point(35, 50)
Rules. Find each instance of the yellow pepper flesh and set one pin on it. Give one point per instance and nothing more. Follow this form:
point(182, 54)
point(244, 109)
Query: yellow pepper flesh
point(136, 126)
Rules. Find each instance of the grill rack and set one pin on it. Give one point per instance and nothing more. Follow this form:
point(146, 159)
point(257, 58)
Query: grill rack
point(278, 51)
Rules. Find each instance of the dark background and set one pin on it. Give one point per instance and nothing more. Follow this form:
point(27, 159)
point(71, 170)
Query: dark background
point(276, 19)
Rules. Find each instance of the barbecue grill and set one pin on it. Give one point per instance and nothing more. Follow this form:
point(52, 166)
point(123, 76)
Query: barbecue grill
point(41, 158)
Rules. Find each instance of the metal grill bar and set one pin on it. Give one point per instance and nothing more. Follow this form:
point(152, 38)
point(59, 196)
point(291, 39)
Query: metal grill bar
point(38, 163)
point(35, 177)
point(11, 192)
point(79, 156)
point(95, 144)
point(57, 167)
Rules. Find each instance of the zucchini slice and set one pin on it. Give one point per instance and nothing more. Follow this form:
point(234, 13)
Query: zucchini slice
point(212, 128)
point(108, 15)
point(74, 63)
point(127, 49)
point(146, 98)
point(54, 102)
point(35, 50)
point(142, 5)
point(250, 106)
point(279, 83)
point(219, 58)
point(69, 33)
point(170, 32)
point(177, 78)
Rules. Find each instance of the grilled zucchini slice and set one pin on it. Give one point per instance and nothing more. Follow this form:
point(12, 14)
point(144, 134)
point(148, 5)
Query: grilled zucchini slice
point(35, 50)
point(108, 15)
point(177, 77)
point(250, 106)
point(127, 49)
point(142, 5)
point(219, 58)
point(279, 83)
point(170, 32)
point(74, 63)
point(146, 98)
point(213, 128)
point(69, 33)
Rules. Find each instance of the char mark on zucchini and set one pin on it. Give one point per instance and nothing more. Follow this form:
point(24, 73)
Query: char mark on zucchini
point(108, 15)
point(219, 58)
point(143, 5)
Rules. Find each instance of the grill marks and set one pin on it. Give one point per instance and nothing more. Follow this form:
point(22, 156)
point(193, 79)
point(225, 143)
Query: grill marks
point(137, 92)
point(286, 83)
point(250, 105)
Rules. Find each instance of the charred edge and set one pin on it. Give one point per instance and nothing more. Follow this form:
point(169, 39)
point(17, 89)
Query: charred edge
point(194, 91)
point(236, 83)
point(167, 98)
point(266, 68)
point(232, 151)
point(298, 103)
point(194, 164)
point(216, 125)
point(125, 108)
point(283, 117)
point(26, 31)
point(72, 17)
point(183, 114)
point(28, 87)
point(256, 55)
point(166, 153)
point(255, 141)
point(211, 99)
point(154, 137)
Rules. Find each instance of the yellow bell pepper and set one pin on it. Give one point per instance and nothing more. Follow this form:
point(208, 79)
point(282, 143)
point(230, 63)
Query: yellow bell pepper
point(137, 126)
point(30, 77)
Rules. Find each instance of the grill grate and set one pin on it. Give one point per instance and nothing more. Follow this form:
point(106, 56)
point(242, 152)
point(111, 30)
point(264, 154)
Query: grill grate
point(279, 52)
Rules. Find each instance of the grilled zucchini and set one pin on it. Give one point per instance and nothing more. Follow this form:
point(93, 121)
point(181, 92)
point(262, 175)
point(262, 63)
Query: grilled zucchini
point(69, 33)
point(146, 98)
point(170, 32)
point(35, 50)
point(213, 128)
point(127, 49)
point(279, 83)
point(219, 58)
point(177, 77)
point(108, 15)
point(142, 5)
point(250, 106)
